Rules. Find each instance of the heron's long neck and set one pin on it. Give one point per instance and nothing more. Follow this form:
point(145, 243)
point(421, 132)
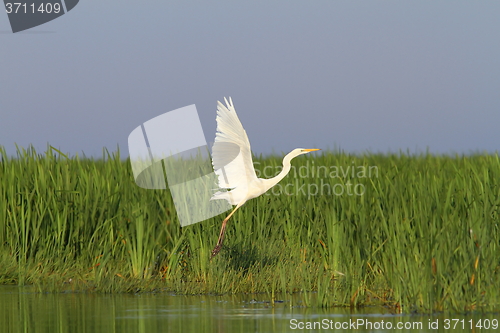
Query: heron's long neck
point(286, 169)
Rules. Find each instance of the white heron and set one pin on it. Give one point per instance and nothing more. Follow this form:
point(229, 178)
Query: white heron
point(232, 162)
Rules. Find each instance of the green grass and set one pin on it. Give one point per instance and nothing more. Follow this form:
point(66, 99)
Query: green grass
point(423, 236)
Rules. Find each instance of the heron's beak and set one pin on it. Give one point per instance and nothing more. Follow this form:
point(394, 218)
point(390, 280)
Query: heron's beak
point(308, 150)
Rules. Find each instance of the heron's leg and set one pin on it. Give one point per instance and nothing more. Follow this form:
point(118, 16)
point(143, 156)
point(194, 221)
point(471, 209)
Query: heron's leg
point(218, 247)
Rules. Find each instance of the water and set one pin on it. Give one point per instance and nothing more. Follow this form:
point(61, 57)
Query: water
point(22, 310)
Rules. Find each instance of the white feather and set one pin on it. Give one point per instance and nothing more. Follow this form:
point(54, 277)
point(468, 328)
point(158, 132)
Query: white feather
point(232, 156)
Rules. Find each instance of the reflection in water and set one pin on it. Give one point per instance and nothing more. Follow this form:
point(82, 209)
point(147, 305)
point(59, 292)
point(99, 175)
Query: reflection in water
point(24, 311)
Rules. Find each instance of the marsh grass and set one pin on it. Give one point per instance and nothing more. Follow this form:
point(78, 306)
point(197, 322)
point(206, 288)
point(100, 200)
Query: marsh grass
point(423, 236)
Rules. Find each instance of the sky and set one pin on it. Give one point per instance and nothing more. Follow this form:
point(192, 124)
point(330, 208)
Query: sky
point(360, 76)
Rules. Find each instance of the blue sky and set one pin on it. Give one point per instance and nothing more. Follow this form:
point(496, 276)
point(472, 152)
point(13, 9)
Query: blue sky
point(362, 76)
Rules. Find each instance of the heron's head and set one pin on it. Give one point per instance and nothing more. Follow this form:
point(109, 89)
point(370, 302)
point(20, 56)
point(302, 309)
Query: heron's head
point(300, 151)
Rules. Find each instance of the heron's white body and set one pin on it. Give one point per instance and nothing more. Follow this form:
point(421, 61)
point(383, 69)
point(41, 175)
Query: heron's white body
point(244, 193)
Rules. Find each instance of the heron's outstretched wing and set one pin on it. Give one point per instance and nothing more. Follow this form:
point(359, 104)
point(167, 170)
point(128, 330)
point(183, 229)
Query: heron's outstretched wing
point(231, 154)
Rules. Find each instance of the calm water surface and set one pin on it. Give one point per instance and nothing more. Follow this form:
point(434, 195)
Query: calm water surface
point(22, 310)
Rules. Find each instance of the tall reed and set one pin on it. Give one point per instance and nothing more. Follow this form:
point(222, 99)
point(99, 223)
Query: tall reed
point(413, 232)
